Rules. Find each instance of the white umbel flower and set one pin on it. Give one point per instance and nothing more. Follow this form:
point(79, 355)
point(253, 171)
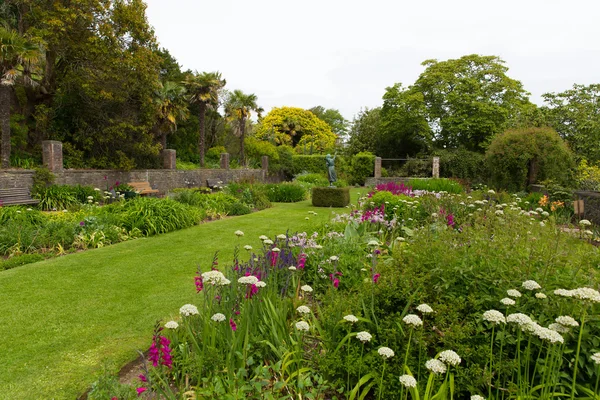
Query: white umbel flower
point(566, 320)
point(499, 212)
point(248, 280)
point(188, 309)
point(385, 352)
point(268, 241)
point(424, 308)
point(494, 316)
point(436, 366)
point(281, 236)
point(559, 328)
point(477, 397)
point(585, 222)
point(239, 233)
point(260, 284)
point(540, 295)
point(334, 258)
point(364, 336)
point(303, 310)
point(531, 285)
point(263, 237)
point(412, 319)
point(350, 318)
point(215, 278)
point(218, 317)
point(519, 319)
point(306, 288)
point(563, 292)
point(513, 293)
point(275, 249)
point(292, 268)
point(373, 243)
point(596, 358)
point(247, 247)
point(408, 381)
point(171, 325)
point(586, 294)
point(548, 334)
point(450, 357)
point(302, 326)
point(507, 302)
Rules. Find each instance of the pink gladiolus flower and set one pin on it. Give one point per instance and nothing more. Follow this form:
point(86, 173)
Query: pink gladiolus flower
point(301, 261)
point(232, 324)
point(143, 378)
point(376, 277)
point(199, 283)
point(141, 390)
point(274, 256)
point(336, 283)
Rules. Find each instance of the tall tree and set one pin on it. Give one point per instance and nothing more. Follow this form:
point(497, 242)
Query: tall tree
point(365, 131)
point(332, 117)
point(171, 106)
point(19, 59)
point(469, 99)
point(239, 107)
point(203, 90)
point(575, 115)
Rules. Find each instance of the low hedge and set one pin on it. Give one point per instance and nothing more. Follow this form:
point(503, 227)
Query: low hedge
point(330, 196)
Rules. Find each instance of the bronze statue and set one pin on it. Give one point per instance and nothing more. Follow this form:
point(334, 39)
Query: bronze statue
point(329, 162)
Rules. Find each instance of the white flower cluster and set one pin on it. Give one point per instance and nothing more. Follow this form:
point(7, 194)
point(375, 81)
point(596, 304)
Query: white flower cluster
point(563, 293)
point(547, 334)
point(373, 243)
point(540, 295)
point(263, 237)
point(188, 309)
point(531, 285)
point(412, 319)
point(477, 397)
point(218, 317)
point(596, 358)
point(450, 357)
point(302, 326)
point(507, 302)
point(334, 258)
point(306, 288)
point(275, 249)
point(559, 328)
point(513, 293)
point(171, 325)
point(385, 352)
point(260, 284)
point(424, 308)
point(248, 280)
point(499, 212)
point(215, 278)
point(303, 310)
point(247, 247)
point(267, 241)
point(350, 318)
point(584, 293)
point(239, 233)
point(494, 316)
point(408, 381)
point(585, 222)
point(364, 336)
point(292, 268)
point(436, 366)
point(519, 319)
point(281, 236)
point(566, 320)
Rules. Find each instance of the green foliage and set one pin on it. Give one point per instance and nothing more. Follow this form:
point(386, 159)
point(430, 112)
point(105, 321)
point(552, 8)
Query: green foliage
point(469, 99)
point(253, 195)
point(436, 185)
point(588, 176)
point(517, 158)
point(463, 164)
point(256, 148)
point(108, 387)
point(298, 128)
point(333, 118)
point(238, 208)
point(22, 259)
point(416, 168)
point(214, 153)
point(284, 164)
point(574, 115)
point(365, 131)
point(286, 192)
point(186, 165)
point(42, 177)
point(361, 167)
point(313, 179)
point(56, 197)
point(330, 196)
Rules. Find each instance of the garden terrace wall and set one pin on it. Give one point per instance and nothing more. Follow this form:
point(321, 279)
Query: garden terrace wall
point(395, 179)
point(163, 180)
point(591, 205)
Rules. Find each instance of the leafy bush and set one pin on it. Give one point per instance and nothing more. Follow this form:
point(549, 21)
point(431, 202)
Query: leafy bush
point(56, 197)
point(436, 185)
point(186, 165)
point(588, 176)
point(17, 261)
point(463, 164)
point(238, 208)
point(330, 196)
point(214, 154)
point(362, 166)
point(253, 195)
point(286, 192)
point(42, 178)
point(517, 158)
point(313, 179)
point(416, 168)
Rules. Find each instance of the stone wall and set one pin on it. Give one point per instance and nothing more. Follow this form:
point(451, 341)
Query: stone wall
point(397, 179)
point(591, 205)
point(163, 180)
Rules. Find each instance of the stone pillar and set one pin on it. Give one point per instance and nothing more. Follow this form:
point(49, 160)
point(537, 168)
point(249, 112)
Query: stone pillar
point(265, 163)
point(377, 173)
point(52, 155)
point(225, 160)
point(169, 159)
point(436, 167)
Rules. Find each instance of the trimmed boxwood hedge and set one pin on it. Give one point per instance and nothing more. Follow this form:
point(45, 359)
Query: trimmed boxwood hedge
point(330, 196)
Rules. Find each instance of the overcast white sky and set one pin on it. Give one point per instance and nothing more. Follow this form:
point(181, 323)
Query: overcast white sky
point(343, 53)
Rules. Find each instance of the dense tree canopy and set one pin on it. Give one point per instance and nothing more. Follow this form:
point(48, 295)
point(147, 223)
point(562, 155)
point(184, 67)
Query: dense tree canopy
point(469, 99)
point(364, 132)
point(298, 128)
point(333, 118)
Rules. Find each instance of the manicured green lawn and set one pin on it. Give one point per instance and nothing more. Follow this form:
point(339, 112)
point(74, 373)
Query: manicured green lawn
point(62, 318)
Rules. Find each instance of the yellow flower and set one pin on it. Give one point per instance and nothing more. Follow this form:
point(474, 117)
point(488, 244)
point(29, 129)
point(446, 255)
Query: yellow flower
point(543, 201)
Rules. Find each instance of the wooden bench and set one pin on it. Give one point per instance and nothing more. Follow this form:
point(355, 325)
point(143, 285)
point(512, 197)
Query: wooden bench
point(214, 184)
point(14, 196)
point(143, 188)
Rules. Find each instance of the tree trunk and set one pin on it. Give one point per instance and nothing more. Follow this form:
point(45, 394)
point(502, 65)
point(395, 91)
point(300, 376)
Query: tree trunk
point(201, 116)
point(242, 136)
point(5, 126)
point(163, 139)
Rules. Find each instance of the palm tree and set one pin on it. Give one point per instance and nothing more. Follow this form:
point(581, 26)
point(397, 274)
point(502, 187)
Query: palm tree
point(239, 107)
point(172, 106)
point(19, 61)
point(203, 90)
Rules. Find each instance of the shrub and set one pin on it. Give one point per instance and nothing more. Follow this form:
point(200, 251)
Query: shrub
point(214, 154)
point(286, 192)
point(588, 176)
point(313, 179)
point(284, 165)
point(186, 165)
point(436, 185)
point(254, 196)
point(419, 168)
point(517, 158)
point(330, 197)
point(256, 148)
point(17, 261)
point(463, 164)
point(42, 178)
point(55, 197)
point(238, 208)
point(362, 166)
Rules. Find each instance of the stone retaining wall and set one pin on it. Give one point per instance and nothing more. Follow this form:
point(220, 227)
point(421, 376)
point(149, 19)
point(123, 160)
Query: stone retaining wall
point(591, 205)
point(163, 180)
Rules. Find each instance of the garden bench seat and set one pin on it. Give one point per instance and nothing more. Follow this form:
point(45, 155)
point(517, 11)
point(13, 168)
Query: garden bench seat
point(143, 188)
point(14, 196)
point(214, 183)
